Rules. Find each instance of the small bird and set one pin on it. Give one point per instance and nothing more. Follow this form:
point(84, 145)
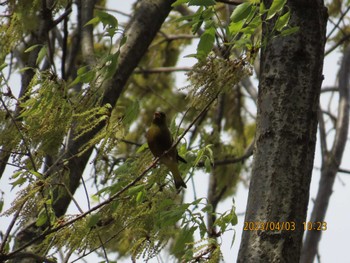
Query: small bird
point(159, 140)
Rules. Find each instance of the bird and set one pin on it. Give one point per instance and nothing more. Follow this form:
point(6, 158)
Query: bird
point(159, 141)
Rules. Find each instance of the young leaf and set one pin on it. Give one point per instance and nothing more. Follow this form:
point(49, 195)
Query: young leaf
point(290, 31)
point(206, 43)
point(32, 48)
point(282, 21)
point(36, 174)
point(275, 7)
point(41, 55)
point(1, 205)
point(93, 220)
point(42, 218)
point(201, 2)
point(93, 21)
point(132, 112)
point(107, 19)
point(241, 12)
point(4, 65)
point(19, 181)
point(179, 2)
point(142, 148)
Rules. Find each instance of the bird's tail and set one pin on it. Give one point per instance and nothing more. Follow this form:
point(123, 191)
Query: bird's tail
point(176, 175)
point(179, 181)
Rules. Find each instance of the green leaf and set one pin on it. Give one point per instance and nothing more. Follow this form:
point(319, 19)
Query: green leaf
point(142, 148)
point(87, 77)
point(262, 8)
point(82, 70)
point(197, 20)
point(170, 218)
point(290, 31)
point(179, 2)
point(1, 205)
point(16, 174)
point(4, 65)
point(241, 12)
point(42, 53)
point(93, 220)
point(136, 189)
point(201, 2)
point(235, 27)
point(123, 40)
point(111, 63)
point(32, 48)
point(25, 69)
point(42, 218)
point(185, 236)
point(275, 7)
point(107, 19)
point(282, 21)
point(93, 21)
point(19, 181)
point(132, 112)
point(199, 154)
point(36, 174)
point(140, 196)
point(206, 43)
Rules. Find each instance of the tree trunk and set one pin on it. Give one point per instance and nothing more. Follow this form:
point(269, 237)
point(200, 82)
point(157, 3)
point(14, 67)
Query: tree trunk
point(290, 82)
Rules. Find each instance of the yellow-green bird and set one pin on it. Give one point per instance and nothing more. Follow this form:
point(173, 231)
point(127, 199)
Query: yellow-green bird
point(159, 140)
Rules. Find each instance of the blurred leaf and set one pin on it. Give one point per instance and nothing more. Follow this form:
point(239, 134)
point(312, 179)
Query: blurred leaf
point(1, 205)
point(201, 2)
point(19, 181)
point(132, 112)
point(290, 31)
point(282, 21)
point(275, 7)
point(93, 21)
point(107, 19)
point(4, 65)
point(32, 48)
point(93, 220)
point(241, 12)
point(42, 53)
point(42, 218)
point(206, 43)
point(36, 174)
point(136, 189)
point(179, 2)
point(142, 148)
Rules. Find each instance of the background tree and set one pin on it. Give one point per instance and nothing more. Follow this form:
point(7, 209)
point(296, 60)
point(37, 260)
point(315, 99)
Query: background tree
point(89, 87)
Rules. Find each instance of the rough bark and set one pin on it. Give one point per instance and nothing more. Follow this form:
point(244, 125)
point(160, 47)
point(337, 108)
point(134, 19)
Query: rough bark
point(330, 163)
point(289, 89)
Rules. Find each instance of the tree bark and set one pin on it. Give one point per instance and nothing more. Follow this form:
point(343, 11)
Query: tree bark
point(289, 89)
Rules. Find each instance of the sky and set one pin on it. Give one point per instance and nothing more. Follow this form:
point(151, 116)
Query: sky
point(335, 240)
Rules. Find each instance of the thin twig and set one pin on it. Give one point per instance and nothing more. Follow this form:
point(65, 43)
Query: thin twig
point(8, 231)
